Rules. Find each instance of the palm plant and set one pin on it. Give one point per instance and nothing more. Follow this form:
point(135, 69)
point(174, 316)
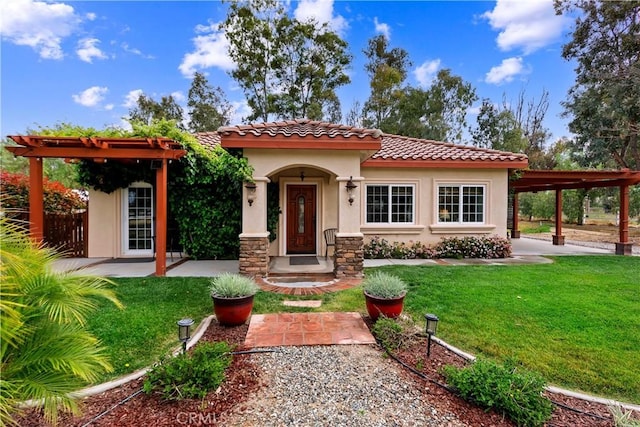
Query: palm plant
point(45, 350)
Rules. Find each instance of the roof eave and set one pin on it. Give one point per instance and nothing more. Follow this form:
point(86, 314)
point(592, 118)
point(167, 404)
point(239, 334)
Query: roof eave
point(433, 164)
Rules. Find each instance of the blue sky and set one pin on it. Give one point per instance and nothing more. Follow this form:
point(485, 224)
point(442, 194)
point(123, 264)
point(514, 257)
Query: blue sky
point(85, 62)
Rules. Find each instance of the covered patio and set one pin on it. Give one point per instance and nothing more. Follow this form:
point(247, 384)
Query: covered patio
point(542, 180)
point(97, 149)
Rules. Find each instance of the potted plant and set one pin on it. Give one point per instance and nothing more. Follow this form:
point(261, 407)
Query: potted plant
point(384, 294)
point(232, 296)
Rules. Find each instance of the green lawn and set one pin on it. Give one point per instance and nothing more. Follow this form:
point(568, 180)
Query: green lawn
point(575, 321)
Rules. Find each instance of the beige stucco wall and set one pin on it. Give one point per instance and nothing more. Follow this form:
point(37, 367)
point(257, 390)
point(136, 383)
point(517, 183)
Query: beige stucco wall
point(105, 224)
point(426, 181)
point(329, 171)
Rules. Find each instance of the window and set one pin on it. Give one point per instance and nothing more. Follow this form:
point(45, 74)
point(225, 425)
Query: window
point(461, 203)
point(390, 204)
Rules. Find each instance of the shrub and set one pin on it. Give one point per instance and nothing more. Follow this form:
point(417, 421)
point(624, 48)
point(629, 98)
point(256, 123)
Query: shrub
point(384, 285)
point(514, 392)
point(473, 247)
point(229, 285)
point(448, 247)
point(389, 333)
point(56, 198)
point(189, 376)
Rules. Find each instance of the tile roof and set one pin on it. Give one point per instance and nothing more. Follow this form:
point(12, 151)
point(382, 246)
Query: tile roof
point(395, 147)
point(208, 139)
point(301, 128)
point(394, 150)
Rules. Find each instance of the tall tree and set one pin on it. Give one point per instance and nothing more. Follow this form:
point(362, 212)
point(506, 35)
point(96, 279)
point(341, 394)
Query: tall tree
point(604, 103)
point(288, 69)
point(497, 129)
point(387, 70)
point(530, 113)
point(437, 113)
point(149, 110)
point(208, 106)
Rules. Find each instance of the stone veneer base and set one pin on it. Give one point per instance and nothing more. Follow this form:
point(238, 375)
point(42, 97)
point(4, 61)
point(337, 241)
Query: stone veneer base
point(254, 256)
point(349, 257)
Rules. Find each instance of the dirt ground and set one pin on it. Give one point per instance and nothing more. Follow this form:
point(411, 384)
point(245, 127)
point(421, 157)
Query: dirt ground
point(590, 232)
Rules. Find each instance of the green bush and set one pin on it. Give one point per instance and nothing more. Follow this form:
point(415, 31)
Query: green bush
point(189, 376)
point(448, 247)
point(514, 392)
point(388, 332)
point(384, 285)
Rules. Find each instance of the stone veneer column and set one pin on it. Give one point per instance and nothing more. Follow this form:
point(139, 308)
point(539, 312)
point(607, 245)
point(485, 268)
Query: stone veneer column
point(349, 257)
point(254, 255)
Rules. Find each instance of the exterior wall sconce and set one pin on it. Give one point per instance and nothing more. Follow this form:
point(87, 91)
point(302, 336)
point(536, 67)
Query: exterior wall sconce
point(432, 326)
point(251, 192)
point(184, 333)
point(350, 187)
point(301, 175)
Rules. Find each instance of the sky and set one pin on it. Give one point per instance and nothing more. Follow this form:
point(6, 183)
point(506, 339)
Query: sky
point(86, 62)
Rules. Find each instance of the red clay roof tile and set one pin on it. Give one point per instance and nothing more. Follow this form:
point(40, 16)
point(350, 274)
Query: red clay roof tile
point(301, 128)
point(208, 139)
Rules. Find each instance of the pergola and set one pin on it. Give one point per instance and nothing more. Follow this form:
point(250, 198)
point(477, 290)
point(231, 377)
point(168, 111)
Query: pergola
point(36, 147)
point(541, 180)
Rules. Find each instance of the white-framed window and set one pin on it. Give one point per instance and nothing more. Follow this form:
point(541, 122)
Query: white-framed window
point(139, 217)
point(461, 204)
point(390, 204)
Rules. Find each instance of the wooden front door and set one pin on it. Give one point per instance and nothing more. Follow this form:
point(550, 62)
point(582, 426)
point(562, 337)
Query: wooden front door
point(301, 219)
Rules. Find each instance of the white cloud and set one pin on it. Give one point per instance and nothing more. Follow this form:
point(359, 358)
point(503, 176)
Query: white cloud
point(91, 97)
point(125, 46)
point(178, 96)
point(37, 24)
point(91, 16)
point(131, 99)
point(382, 28)
point(506, 71)
point(240, 110)
point(210, 51)
point(88, 49)
point(322, 12)
point(426, 73)
point(109, 107)
point(529, 25)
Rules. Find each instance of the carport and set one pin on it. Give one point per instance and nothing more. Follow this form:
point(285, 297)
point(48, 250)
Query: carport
point(542, 180)
point(159, 150)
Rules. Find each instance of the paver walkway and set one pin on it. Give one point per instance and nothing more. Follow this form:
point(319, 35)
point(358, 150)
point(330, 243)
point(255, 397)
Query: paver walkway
point(295, 329)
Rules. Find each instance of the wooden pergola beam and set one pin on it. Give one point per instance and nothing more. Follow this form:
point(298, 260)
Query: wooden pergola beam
point(97, 153)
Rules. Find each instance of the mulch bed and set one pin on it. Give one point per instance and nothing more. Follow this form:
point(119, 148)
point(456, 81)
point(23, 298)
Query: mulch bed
point(244, 378)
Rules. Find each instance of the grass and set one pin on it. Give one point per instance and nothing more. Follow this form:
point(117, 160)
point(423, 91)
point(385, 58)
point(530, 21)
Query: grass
point(574, 321)
point(138, 335)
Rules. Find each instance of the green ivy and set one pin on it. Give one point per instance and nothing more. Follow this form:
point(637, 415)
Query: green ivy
point(204, 186)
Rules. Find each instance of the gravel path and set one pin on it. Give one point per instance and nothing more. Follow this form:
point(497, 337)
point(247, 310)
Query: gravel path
point(336, 385)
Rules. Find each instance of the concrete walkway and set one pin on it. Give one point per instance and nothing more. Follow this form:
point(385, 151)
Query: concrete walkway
point(525, 251)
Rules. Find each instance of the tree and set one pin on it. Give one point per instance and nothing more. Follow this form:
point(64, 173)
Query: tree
point(286, 68)
point(149, 110)
point(45, 348)
point(604, 103)
point(529, 115)
point(497, 129)
point(387, 70)
point(438, 113)
point(208, 106)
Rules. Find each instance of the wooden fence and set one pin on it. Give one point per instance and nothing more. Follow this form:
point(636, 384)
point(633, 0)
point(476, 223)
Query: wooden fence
point(67, 233)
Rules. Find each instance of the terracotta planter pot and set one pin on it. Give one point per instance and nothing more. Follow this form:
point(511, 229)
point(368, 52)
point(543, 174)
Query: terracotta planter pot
point(232, 311)
point(387, 307)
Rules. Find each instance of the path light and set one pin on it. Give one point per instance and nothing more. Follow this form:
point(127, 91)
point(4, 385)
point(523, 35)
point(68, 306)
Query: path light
point(184, 333)
point(251, 192)
point(350, 187)
point(432, 326)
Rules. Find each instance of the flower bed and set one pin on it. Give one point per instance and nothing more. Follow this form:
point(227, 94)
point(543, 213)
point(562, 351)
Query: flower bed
point(448, 247)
